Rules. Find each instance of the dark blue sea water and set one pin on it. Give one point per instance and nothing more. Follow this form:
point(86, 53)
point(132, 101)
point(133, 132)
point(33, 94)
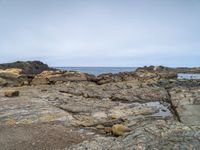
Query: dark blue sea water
point(99, 70)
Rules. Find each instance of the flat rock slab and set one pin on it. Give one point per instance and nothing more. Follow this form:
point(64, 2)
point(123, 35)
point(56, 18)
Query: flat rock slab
point(26, 109)
point(148, 135)
point(39, 136)
point(186, 100)
point(189, 114)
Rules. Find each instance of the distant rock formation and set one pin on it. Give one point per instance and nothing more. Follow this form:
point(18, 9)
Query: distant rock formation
point(176, 70)
point(28, 67)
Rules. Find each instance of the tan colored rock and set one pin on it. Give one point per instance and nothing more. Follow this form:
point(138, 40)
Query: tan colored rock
point(12, 77)
point(11, 71)
point(100, 126)
point(14, 71)
point(42, 78)
point(11, 93)
point(119, 129)
point(2, 82)
point(60, 76)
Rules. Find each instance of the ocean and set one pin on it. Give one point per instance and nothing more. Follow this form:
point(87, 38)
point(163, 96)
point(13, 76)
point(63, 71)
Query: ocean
point(195, 76)
point(99, 70)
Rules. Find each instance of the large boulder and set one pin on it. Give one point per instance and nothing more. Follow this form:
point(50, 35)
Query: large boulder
point(119, 129)
point(12, 77)
point(27, 67)
point(48, 77)
point(148, 135)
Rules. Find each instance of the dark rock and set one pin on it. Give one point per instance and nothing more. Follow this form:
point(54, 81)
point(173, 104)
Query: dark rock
point(28, 67)
point(176, 70)
point(187, 70)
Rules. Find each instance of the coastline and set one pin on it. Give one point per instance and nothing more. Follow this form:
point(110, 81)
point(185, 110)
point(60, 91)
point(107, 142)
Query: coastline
point(147, 108)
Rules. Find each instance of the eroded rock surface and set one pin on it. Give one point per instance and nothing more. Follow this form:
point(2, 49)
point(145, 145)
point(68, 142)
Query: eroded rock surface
point(186, 101)
point(156, 110)
point(21, 72)
point(12, 77)
point(50, 77)
point(159, 134)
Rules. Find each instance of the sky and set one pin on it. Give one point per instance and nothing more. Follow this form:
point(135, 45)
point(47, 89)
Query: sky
point(120, 33)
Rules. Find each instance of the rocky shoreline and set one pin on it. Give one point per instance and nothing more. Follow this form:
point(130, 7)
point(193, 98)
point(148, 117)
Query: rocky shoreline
point(149, 108)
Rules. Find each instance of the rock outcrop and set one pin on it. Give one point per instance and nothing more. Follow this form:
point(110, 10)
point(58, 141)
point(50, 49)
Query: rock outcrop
point(186, 101)
point(146, 109)
point(52, 77)
point(27, 67)
point(119, 129)
point(12, 77)
point(154, 72)
point(21, 72)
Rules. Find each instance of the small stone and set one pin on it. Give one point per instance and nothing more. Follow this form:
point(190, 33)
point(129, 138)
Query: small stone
point(108, 130)
point(25, 83)
point(100, 126)
point(11, 93)
point(119, 129)
point(114, 116)
point(85, 95)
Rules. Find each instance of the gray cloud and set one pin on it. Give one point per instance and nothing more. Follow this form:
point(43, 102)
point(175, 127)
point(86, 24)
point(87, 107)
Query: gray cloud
point(101, 33)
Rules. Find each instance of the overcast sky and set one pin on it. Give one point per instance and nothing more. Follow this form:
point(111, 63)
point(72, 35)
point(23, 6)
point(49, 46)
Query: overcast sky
point(101, 32)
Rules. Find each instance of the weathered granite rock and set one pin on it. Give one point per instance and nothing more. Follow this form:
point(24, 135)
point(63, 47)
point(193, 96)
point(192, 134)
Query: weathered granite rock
point(28, 108)
point(141, 94)
point(159, 134)
point(48, 77)
point(145, 73)
point(120, 91)
point(42, 136)
point(119, 129)
point(146, 103)
point(119, 77)
point(186, 101)
point(3, 82)
point(156, 73)
point(12, 77)
point(10, 73)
